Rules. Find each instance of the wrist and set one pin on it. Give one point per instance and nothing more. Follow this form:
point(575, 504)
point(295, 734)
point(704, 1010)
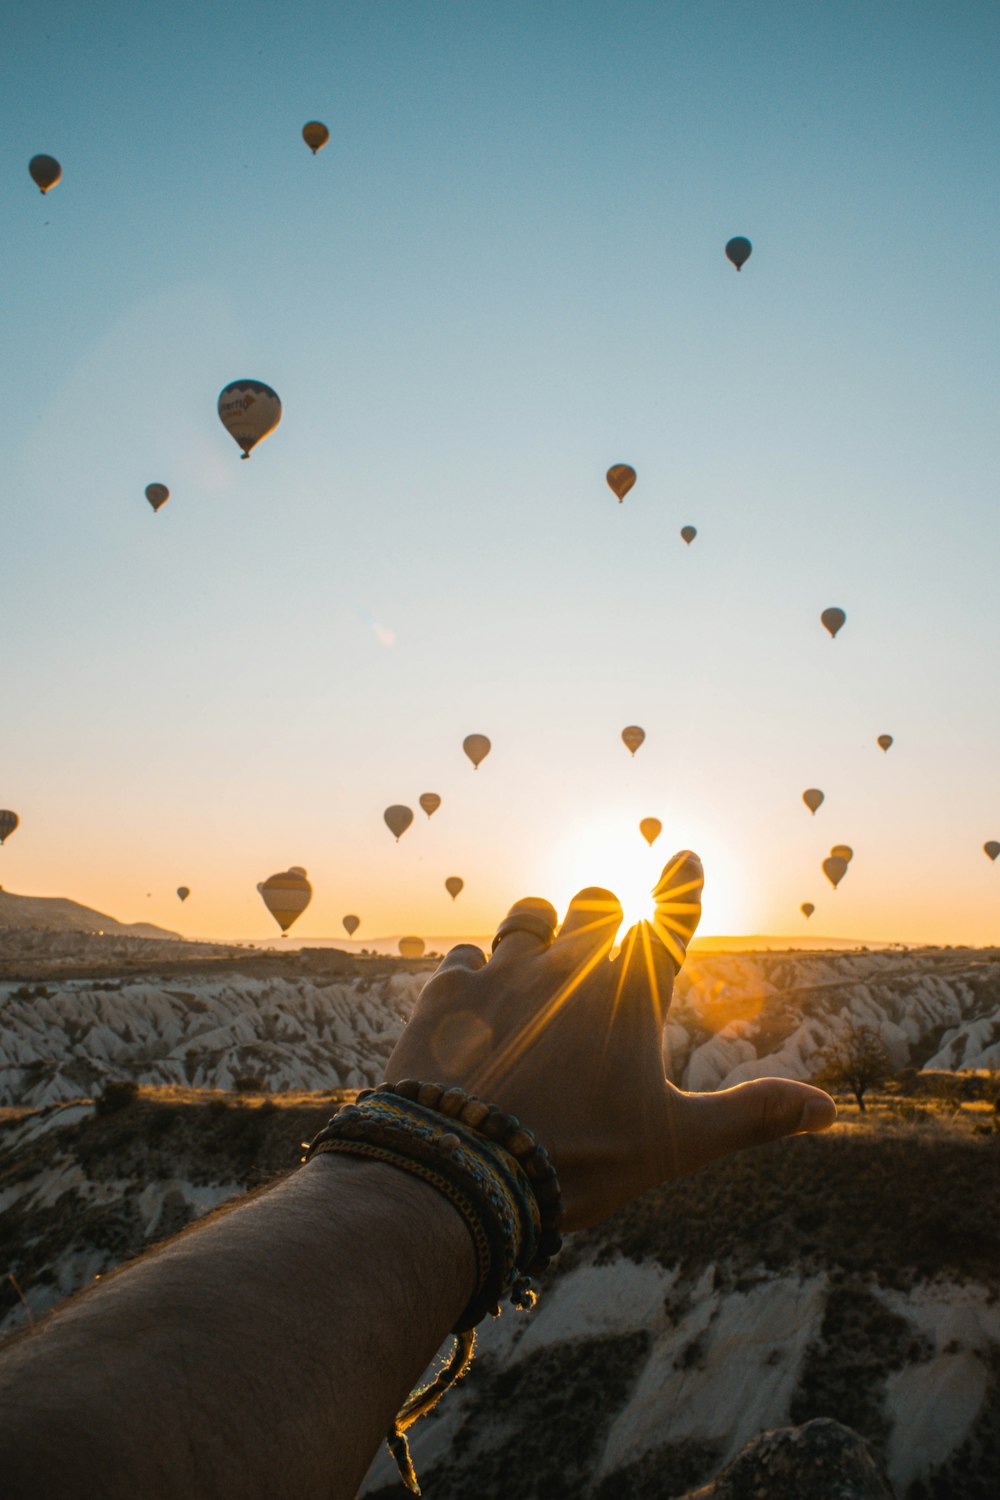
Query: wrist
point(407, 1210)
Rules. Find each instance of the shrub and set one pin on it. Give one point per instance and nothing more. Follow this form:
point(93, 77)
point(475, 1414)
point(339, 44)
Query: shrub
point(117, 1093)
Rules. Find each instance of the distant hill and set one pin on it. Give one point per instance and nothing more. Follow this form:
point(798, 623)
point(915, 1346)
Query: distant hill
point(57, 914)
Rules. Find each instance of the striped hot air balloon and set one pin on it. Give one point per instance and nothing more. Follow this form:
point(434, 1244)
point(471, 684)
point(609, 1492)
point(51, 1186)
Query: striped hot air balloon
point(286, 896)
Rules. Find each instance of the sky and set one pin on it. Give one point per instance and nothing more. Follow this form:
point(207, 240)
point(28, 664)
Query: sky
point(503, 274)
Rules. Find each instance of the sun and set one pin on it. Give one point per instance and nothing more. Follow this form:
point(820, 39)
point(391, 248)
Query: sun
point(612, 854)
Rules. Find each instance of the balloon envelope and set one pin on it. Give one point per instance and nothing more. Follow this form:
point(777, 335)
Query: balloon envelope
point(453, 885)
point(8, 822)
point(884, 741)
point(807, 908)
point(833, 619)
point(834, 869)
point(738, 250)
point(842, 851)
point(651, 828)
point(632, 737)
point(45, 171)
point(297, 870)
point(991, 846)
point(412, 947)
point(689, 533)
point(351, 924)
point(430, 802)
point(249, 410)
point(315, 135)
point(621, 478)
point(476, 747)
point(813, 798)
point(183, 892)
point(286, 896)
point(157, 495)
point(398, 819)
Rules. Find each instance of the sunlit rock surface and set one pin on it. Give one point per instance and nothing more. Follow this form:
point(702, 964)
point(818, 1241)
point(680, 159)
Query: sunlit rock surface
point(734, 1017)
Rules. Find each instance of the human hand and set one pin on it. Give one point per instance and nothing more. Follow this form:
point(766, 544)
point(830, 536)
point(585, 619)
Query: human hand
point(557, 1032)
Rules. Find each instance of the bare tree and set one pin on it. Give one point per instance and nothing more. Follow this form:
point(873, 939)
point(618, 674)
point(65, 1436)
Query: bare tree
point(857, 1061)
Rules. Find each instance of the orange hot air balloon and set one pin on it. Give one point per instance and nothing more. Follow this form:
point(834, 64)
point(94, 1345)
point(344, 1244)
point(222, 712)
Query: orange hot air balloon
point(8, 822)
point(842, 851)
point(398, 819)
point(991, 847)
point(315, 135)
point(157, 495)
point(651, 828)
point(807, 909)
point(689, 533)
point(738, 250)
point(621, 478)
point(835, 869)
point(412, 947)
point(430, 802)
point(813, 798)
point(453, 885)
point(632, 737)
point(833, 619)
point(183, 892)
point(884, 741)
point(286, 896)
point(249, 410)
point(351, 925)
point(476, 747)
point(45, 172)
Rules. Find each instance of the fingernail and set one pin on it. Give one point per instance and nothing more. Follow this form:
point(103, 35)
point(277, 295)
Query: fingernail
point(817, 1114)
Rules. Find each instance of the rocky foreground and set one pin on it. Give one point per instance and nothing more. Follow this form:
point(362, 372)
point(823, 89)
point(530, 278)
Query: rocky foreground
point(848, 1279)
point(324, 1019)
point(851, 1277)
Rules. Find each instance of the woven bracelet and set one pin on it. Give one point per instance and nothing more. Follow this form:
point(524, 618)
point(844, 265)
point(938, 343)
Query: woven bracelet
point(492, 1171)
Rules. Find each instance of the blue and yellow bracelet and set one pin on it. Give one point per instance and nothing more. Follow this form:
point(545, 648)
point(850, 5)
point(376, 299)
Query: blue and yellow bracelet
point(492, 1171)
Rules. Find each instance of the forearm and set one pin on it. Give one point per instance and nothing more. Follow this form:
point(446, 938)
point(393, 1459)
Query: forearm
point(262, 1354)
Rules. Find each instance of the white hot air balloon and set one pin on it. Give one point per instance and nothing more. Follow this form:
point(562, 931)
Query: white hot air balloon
point(249, 410)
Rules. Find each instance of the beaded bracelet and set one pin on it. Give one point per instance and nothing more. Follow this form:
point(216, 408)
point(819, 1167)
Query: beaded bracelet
point(493, 1172)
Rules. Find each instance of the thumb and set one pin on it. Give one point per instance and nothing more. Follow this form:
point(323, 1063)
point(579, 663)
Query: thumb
point(751, 1114)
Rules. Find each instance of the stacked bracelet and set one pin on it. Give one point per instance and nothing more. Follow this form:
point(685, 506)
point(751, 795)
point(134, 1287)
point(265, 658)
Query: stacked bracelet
point(493, 1172)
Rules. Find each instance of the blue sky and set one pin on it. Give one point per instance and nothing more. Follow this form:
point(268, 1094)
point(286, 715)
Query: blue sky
point(503, 274)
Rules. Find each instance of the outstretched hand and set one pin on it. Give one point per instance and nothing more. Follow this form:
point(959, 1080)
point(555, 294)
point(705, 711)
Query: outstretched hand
point(558, 1032)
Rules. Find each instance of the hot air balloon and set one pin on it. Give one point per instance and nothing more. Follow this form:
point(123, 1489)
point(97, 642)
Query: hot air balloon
point(430, 802)
point(412, 947)
point(991, 846)
point(842, 851)
point(453, 885)
point(351, 925)
point(833, 619)
point(689, 533)
point(183, 892)
point(249, 410)
point(884, 741)
point(632, 737)
point(738, 250)
point(651, 828)
point(45, 171)
point(297, 870)
point(812, 797)
point(8, 822)
point(315, 135)
point(834, 869)
point(807, 909)
point(621, 478)
point(398, 819)
point(476, 747)
point(286, 896)
point(157, 495)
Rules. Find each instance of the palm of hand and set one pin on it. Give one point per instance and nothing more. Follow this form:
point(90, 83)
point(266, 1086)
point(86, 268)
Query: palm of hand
point(567, 1037)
